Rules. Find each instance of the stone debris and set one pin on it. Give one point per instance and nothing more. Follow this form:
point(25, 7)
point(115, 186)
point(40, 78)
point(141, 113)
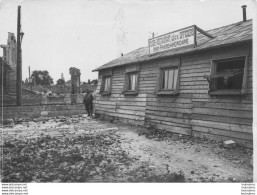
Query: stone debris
point(175, 137)
point(229, 144)
point(79, 126)
point(44, 113)
point(54, 127)
point(8, 122)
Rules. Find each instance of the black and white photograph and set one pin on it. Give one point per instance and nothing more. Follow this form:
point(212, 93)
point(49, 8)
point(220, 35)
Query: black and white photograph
point(125, 92)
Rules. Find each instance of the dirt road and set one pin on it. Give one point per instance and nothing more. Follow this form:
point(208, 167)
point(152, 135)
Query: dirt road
point(80, 149)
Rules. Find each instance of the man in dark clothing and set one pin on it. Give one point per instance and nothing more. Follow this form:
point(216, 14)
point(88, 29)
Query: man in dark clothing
point(88, 102)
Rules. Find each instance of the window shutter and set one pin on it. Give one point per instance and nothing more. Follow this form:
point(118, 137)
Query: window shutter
point(245, 78)
point(158, 82)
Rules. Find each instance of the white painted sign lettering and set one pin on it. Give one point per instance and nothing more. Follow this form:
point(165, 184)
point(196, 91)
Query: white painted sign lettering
point(176, 39)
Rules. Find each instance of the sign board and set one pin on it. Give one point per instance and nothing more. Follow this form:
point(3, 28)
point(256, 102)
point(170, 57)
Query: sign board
point(176, 39)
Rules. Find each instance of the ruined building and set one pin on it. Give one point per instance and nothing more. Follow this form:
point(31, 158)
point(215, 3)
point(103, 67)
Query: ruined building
point(8, 64)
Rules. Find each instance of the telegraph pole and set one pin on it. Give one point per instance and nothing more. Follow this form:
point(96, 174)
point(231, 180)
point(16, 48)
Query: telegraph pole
point(19, 61)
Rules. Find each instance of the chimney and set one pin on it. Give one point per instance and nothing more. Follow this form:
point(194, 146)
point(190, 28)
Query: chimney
point(244, 12)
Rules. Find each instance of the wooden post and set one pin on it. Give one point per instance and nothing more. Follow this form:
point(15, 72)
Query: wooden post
point(19, 61)
point(195, 38)
point(204, 33)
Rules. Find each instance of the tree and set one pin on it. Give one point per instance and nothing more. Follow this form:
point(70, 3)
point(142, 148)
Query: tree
point(88, 82)
point(60, 82)
point(42, 77)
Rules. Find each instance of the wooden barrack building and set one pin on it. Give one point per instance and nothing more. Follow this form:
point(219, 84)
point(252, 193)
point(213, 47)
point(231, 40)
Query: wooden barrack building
point(188, 81)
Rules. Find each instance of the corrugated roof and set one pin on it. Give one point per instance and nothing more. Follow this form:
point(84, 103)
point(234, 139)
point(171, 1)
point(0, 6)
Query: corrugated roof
point(226, 35)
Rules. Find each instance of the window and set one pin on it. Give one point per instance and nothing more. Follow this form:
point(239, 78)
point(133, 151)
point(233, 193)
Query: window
point(130, 86)
point(106, 83)
point(132, 81)
point(167, 81)
point(228, 76)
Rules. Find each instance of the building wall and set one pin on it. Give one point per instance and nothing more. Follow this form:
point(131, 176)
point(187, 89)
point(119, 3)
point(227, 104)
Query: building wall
point(11, 59)
point(10, 64)
point(193, 111)
point(130, 108)
point(223, 117)
point(7, 95)
point(35, 111)
point(11, 52)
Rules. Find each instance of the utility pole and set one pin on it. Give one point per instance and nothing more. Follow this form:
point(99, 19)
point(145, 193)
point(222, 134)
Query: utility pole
point(19, 61)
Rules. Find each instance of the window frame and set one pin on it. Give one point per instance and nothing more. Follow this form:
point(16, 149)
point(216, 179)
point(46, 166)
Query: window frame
point(131, 70)
point(213, 82)
point(162, 79)
point(159, 83)
point(106, 74)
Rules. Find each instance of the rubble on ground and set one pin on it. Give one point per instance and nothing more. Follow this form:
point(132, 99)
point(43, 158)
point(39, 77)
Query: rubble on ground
point(24, 139)
point(229, 144)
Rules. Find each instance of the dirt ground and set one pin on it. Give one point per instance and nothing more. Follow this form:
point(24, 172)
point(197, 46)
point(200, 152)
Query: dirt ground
point(81, 149)
point(200, 160)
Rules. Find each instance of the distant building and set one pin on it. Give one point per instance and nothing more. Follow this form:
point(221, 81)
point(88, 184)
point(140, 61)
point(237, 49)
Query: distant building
point(8, 71)
point(188, 81)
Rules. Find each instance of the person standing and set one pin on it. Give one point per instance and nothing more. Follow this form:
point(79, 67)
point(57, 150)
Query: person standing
point(88, 102)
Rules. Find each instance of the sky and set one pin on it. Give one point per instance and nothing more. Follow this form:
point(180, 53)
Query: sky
point(86, 34)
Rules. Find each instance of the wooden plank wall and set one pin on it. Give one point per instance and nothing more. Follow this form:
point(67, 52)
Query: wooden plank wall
point(218, 117)
point(130, 108)
point(171, 113)
point(192, 111)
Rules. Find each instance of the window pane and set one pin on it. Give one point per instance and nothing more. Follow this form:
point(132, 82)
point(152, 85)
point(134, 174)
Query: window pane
point(107, 84)
point(165, 79)
point(228, 80)
point(169, 80)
